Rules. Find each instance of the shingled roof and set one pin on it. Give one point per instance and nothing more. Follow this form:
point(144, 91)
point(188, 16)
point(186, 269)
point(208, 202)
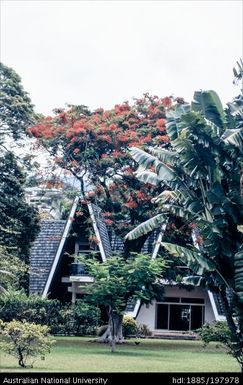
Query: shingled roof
point(150, 242)
point(43, 253)
point(103, 233)
point(133, 305)
point(50, 243)
point(49, 246)
point(117, 243)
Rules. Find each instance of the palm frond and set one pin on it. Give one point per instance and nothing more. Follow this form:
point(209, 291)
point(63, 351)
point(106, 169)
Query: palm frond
point(195, 280)
point(234, 137)
point(148, 177)
point(164, 155)
point(209, 104)
point(165, 173)
point(175, 124)
point(166, 196)
point(189, 255)
point(147, 226)
point(143, 158)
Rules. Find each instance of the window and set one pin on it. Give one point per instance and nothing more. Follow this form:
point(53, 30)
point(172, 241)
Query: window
point(192, 300)
point(172, 299)
point(180, 314)
point(162, 316)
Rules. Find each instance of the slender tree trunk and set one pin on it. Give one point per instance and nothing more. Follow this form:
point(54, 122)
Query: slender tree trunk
point(110, 205)
point(241, 183)
point(21, 358)
point(237, 344)
point(113, 334)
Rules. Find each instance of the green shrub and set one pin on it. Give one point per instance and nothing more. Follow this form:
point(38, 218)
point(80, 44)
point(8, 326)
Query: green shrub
point(33, 309)
point(144, 331)
point(67, 319)
point(129, 326)
point(217, 331)
point(25, 340)
point(80, 319)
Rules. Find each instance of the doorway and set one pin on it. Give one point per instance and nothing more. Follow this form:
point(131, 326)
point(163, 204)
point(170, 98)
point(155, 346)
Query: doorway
point(180, 316)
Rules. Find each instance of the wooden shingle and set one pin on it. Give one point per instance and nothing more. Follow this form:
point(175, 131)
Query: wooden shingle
point(43, 253)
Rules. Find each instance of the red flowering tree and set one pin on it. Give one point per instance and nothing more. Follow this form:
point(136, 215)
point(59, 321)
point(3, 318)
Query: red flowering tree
point(93, 146)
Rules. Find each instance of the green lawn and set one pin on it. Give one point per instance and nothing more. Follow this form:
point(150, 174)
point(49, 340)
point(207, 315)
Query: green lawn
point(77, 354)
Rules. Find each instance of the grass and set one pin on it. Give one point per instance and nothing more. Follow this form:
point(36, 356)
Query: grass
point(78, 354)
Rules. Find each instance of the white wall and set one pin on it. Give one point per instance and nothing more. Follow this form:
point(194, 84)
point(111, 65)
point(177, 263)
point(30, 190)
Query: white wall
point(146, 313)
point(209, 314)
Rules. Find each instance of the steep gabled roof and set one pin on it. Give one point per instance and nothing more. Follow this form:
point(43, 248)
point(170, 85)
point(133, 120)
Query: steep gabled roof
point(100, 231)
point(60, 247)
point(43, 254)
point(48, 248)
point(217, 305)
point(149, 244)
point(117, 243)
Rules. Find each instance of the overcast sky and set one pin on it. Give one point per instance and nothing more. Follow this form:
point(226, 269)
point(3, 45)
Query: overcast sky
point(100, 53)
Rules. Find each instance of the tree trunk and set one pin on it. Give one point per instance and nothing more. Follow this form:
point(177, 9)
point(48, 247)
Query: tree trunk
point(21, 358)
point(113, 334)
point(237, 345)
point(109, 201)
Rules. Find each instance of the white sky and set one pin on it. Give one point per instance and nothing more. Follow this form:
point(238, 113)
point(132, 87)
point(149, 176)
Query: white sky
point(100, 53)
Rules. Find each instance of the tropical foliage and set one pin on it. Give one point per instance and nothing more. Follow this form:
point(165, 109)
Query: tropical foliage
point(217, 331)
point(202, 174)
point(19, 221)
point(16, 110)
point(12, 270)
point(93, 147)
point(61, 318)
point(19, 225)
point(129, 326)
point(25, 341)
point(117, 280)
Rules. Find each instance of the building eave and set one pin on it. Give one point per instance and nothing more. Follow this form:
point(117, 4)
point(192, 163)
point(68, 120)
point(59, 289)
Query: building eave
point(60, 248)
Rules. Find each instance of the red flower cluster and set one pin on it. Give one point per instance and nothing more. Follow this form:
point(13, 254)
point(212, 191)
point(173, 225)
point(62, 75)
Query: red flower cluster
point(100, 140)
point(113, 127)
point(79, 213)
point(163, 139)
point(167, 101)
point(93, 238)
point(108, 222)
point(141, 196)
point(105, 138)
point(107, 214)
point(118, 154)
point(131, 204)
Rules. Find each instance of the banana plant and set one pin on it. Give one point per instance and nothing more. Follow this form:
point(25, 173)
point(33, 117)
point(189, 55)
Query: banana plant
point(201, 176)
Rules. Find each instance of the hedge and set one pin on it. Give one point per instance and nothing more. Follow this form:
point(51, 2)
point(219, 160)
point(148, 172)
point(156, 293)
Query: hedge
point(65, 319)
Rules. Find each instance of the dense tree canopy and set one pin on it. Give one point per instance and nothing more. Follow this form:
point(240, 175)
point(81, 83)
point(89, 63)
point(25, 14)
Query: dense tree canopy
point(18, 225)
point(117, 280)
point(93, 146)
point(202, 173)
point(18, 219)
point(16, 110)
